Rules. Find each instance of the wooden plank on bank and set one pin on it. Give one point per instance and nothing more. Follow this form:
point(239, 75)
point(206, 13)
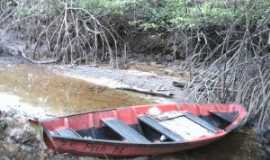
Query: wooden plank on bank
point(149, 92)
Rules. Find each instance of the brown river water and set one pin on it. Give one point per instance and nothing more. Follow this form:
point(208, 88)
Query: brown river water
point(34, 87)
point(59, 95)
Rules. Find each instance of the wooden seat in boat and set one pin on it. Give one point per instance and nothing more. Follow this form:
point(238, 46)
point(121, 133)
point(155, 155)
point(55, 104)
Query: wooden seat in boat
point(202, 122)
point(182, 127)
point(154, 124)
point(227, 117)
point(67, 132)
point(125, 131)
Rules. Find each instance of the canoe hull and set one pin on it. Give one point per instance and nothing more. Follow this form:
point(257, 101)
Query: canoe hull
point(111, 149)
point(114, 148)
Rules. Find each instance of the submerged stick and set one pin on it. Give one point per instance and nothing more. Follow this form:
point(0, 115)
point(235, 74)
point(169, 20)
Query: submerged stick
point(149, 92)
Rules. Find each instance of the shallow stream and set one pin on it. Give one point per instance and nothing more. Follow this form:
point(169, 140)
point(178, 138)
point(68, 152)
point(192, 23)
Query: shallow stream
point(36, 87)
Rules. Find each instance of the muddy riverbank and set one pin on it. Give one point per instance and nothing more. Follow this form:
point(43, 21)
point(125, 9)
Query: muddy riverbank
point(159, 80)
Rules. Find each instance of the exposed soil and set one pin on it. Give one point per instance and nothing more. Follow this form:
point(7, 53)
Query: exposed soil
point(128, 78)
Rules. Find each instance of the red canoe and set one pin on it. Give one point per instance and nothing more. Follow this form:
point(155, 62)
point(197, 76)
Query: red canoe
point(142, 130)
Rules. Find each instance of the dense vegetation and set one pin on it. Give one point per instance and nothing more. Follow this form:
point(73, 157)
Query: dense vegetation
point(175, 14)
point(154, 14)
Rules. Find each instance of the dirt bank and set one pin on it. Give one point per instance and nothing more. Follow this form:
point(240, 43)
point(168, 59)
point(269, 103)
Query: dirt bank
point(18, 140)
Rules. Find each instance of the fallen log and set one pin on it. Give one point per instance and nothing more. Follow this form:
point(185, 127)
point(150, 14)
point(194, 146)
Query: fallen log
point(40, 62)
point(149, 92)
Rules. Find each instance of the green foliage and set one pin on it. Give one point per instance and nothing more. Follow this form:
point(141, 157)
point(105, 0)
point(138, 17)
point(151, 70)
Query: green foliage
point(171, 14)
point(181, 15)
point(160, 14)
point(39, 8)
point(3, 125)
point(103, 7)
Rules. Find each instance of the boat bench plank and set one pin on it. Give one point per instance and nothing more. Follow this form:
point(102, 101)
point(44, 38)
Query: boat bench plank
point(154, 124)
point(228, 117)
point(125, 131)
point(68, 132)
point(202, 122)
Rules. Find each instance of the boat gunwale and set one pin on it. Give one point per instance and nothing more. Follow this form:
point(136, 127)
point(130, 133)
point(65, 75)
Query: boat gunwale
point(137, 106)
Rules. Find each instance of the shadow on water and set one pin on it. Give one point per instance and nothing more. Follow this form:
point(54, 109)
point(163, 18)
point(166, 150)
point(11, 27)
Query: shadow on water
point(61, 95)
point(39, 87)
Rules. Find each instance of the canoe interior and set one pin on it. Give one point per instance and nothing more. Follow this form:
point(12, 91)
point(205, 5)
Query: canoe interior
point(91, 124)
